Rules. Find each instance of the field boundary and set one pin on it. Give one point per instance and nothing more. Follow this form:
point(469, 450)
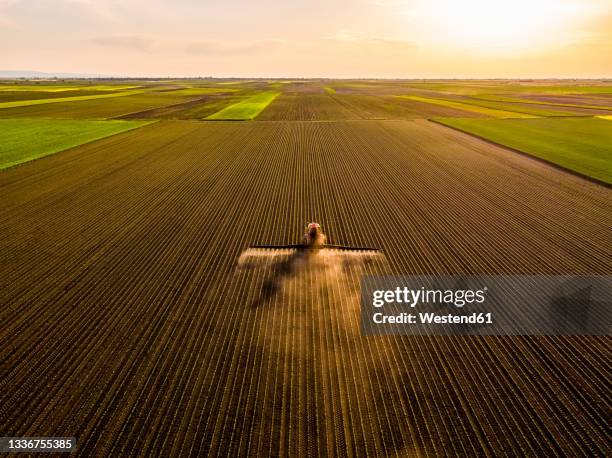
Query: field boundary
point(136, 124)
point(515, 150)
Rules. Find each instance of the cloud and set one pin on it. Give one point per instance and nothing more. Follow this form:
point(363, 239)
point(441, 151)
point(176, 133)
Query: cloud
point(361, 39)
point(392, 42)
point(345, 35)
point(128, 42)
point(69, 13)
point(215, 48)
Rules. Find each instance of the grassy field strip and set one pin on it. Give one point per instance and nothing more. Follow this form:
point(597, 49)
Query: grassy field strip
point(563, 89)
point(468, 107)
point(246, 109)
point(330, 90)
point(230, 83)
point(534, 111)
point(581, 144)
point(155, 341)
point(61, 88)
point(203, 90)
point(23, 103)
point(538, 102)
point(23, 140)
point(13, 96)
point(605, 117)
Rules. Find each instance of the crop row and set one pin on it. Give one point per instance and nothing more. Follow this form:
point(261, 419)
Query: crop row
point(128, 323)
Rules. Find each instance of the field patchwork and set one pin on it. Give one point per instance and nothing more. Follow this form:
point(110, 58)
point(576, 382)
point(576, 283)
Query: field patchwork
point(496, 87)
point(530, 110)
point(548, 103)
point(76, 98)
point(13, 96)
point(63, 87)
point(492, 112)
point(134, 317)
point(100, 108)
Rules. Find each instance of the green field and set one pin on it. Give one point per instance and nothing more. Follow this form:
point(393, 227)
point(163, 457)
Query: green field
point(203, 90)
point(245, 109)
point(22, 140)
point(583, 145)
point(495, 113)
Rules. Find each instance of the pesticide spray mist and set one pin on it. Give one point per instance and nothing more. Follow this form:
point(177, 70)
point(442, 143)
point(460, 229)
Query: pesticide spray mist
point(304, 309)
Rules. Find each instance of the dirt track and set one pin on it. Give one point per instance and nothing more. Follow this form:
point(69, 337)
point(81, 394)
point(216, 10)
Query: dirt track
point(126, 323)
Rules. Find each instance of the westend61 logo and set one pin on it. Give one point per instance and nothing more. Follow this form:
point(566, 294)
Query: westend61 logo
point(507, 305)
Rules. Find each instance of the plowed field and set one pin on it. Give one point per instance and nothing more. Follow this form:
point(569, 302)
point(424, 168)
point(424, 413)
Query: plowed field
point(127, 323)
point(304, 106)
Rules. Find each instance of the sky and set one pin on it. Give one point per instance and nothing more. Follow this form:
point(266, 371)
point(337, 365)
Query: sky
point(310, 38)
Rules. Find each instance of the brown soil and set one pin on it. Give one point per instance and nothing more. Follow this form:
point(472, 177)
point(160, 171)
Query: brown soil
point(127, 323)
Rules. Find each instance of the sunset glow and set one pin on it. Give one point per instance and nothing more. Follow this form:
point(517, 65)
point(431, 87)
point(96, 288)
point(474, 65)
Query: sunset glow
point(341, 38)
point(494, 26)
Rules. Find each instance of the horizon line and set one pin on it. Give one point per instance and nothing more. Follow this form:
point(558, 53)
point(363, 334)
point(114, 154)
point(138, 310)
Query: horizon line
point(77, 76)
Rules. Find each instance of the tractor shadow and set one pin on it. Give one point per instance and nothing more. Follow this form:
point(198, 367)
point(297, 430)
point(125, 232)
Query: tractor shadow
point(280, 271)
point(310, 270)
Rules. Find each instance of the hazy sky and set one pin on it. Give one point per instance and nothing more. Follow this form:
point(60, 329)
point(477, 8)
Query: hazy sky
point(332, 38)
